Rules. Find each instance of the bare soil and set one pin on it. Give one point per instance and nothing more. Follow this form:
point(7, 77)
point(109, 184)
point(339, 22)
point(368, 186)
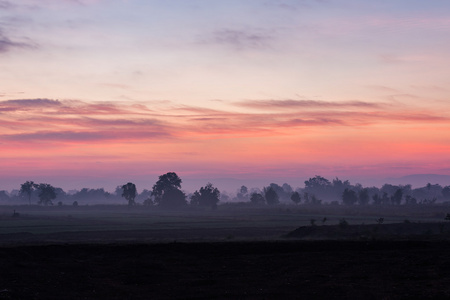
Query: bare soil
point(100, 268)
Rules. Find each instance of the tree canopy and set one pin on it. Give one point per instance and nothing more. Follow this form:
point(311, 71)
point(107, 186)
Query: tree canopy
point(271, 196)
point(129, 192)
point(349, 197)
point(47, 193)
point(208, 196)
point(27, 188)
point(295, 197)
point(167, 191)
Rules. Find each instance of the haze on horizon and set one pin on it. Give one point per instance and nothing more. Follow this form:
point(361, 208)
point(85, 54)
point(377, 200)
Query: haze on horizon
point(96, 92)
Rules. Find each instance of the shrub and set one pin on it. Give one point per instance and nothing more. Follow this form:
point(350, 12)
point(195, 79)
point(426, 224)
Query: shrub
point(343, 223)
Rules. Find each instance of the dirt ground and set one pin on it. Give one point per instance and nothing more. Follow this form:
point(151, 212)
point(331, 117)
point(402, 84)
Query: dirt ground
point(290, 269)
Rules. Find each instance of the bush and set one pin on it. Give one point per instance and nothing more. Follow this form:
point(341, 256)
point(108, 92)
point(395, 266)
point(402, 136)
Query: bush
point(343, 223)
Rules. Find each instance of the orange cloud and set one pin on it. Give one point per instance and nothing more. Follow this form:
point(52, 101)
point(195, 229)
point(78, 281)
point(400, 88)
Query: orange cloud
point(73, 135)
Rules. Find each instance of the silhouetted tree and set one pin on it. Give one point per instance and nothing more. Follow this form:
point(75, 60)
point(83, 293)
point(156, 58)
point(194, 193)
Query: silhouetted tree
point(271, 196)
point(317, 182)
point(315, 200)
point(46, 194)
point(323, 188)
point(4, 197)
point(242, 194)
point(385, 199)
point(306, 197)
point(376, 199)
point(396, 199)
point(257, 198)
point(86, 194)
point(409, 200)
point(27, 188)
point(363, 197)
point(129, 192)
point(173, 198)
point(349, 197)
point(208, 196)
point(148, 201)
point(167, 182)
point(287, 188)
point(295, 197)
point(446, 192)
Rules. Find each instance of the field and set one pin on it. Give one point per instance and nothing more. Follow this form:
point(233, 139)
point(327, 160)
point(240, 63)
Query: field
point(234, 252)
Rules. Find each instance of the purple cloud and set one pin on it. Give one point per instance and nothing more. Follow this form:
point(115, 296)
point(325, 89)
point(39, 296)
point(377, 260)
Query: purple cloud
point(6, 5)
point(290, 104)
point(240, 39)
point(6, 44)
point(86, 136)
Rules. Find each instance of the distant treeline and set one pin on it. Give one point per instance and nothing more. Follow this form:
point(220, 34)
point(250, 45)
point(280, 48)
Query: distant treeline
point(166, 192)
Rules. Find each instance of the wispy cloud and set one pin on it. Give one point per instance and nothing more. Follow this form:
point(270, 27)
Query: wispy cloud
point(66, 120)
point(54, 3)
point(240, 39)
point(6, 4)
point(290, 104)
point(86, 136)
point(292, 5)
point(7, 44)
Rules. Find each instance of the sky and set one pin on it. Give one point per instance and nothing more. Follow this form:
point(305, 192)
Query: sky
point(96, 93)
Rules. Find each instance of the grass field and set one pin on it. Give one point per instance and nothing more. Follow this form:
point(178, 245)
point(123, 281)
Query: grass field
point(227, 222)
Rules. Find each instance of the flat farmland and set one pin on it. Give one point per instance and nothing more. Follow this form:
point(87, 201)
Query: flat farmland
point(234, 252)
point(109, 223)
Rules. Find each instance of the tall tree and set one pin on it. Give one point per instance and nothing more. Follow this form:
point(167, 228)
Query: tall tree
point(295, 197)
point(129, 192)
point(271, 196)
point(446, 192)
point(349, 197)
point(363, 197)
point(165, 183)
point(167, 191)
point(27, 188)
point(47, 193)
point(396, 199)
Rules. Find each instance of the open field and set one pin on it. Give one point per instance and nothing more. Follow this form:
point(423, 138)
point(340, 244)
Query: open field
point(234, 252)
point(228, 222)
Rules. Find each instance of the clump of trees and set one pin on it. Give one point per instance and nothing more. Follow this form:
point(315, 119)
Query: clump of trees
point(207, 196)
point(46, 192)
point(167, 193)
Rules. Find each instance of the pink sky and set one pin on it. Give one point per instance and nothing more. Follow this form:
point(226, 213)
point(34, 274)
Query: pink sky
point(99, 93)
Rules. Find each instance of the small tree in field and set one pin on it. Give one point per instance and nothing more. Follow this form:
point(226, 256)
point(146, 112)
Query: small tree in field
point(129, 192)
point(27, 188)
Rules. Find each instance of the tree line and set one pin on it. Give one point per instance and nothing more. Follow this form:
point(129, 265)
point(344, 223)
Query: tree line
point(167, 193)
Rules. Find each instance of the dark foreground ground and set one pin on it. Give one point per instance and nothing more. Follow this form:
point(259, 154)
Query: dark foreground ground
point(228, 270)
